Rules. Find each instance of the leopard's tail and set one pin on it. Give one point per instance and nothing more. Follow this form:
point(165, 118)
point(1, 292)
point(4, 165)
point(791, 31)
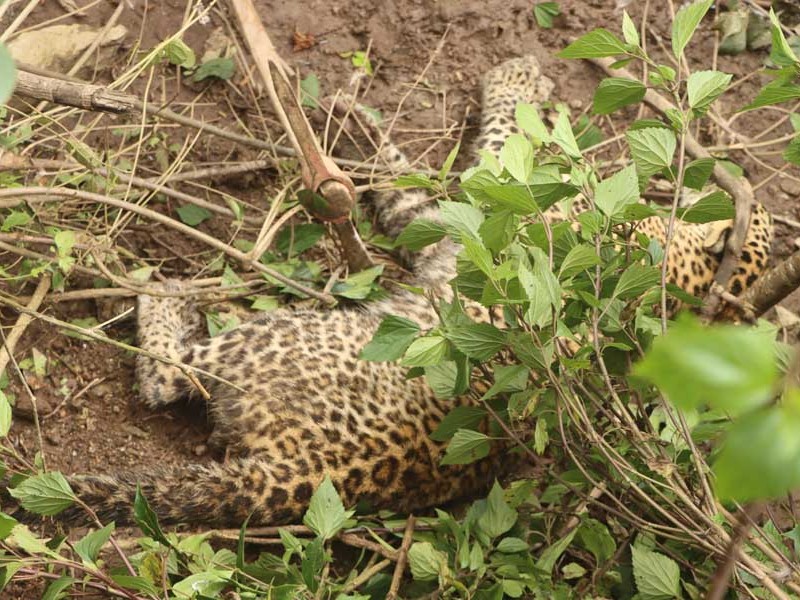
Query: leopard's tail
point(216, 494)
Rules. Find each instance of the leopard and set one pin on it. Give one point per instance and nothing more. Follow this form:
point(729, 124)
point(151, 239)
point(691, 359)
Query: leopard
point(293, 403)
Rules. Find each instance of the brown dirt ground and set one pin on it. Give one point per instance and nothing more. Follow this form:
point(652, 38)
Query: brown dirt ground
point(106, 428)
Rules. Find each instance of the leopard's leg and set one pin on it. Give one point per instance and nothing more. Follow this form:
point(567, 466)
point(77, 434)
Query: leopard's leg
point(166, 326)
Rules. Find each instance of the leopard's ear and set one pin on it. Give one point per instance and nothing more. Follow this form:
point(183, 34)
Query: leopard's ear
point(717, 236)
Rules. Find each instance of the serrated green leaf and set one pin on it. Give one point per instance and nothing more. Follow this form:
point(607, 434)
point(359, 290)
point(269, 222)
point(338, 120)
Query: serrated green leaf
point(309, 91)
point(146, 519)
point(652, 149)
point(686, 21)
point(218, 68)
point(549, 556)
point(511, 545)
point(528, 119)
point(16, 218)
point(89, 546)
point(717, 206)
point(760, 457)
point(728, 368)
point(544, 12)
point(703, 87)
point(465, 447)
point(615, 193)
point(791, 153)
point(480, 341)
point(516, 156)
point(461, 417)
point(697, 173)
point(781, 53)
point(636, 280)
point(595, 44)
point(136, 583)
point(657, 577)
point(498, 517)
point(478, 255)
point(426, 562)
point(44, 494)
point(460, 218)
point(564, 136)
point(207, 584)
point(425, 351)
point(774, 93)
point(56, 589)
point(326, 514)
point(629, 31)
point(579, 258)
point(615, 92)
point(510, 378)
point(448, 162)
point(178, 53)
point(596, 538)
point(192, 215)
point(393, 336)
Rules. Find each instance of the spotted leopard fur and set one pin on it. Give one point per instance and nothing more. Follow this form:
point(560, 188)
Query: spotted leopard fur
point(298, 403)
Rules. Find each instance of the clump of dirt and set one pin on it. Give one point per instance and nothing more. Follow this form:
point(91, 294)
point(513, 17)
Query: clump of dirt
point(428, 57)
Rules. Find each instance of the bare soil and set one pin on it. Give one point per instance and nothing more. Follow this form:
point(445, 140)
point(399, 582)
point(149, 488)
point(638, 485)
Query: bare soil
point(106, 428)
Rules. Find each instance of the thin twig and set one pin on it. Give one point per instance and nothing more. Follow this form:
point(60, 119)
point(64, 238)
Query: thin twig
point(402, 557)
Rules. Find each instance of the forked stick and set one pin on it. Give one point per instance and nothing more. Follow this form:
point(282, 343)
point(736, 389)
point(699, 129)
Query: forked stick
point(329, 195)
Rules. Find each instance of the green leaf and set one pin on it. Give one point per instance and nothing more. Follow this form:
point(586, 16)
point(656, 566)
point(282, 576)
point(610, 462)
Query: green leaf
point(728, 368)
point(424, 351)
point(478, 255)
point(629, 31)
point(781, 53)
point(297, 238)
point(528, 119)
point(597, 539)
point(774, 93)
point(480, 341)
point(393, 336)
point(498, 517)
point(564, 136)
point(218, 68)
point(448, 163)
point(579, 258)
point(511, 545)
point(516, 155)
point(717, 206)
point(312, 564)
point(326, 514)
point(55, 591)
point(657, 577)
point(547, 559)
point(466, 446)
point(510, 378)
point(652, 149)
point(595, 44)
point(5, 415)
point(760, 457)
point(16, 218)
point(617, 192)
point(207, 584)
point(544, 13)
point(460, 217)
point(7, 525)
point(792, 152)
point(146, 519)
point(615, 92)
point(426, 562)
point(136, 583)
point(309, 91)
point(178, 53)
point(22, 537)
point(358, 286)
point(686, 21)
point(703, 87)
point(636, 280)
point(461, 417)
point(8, 74)
point(697, 173)
point(44, 494)
point(192, 215)
point(90, 545)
